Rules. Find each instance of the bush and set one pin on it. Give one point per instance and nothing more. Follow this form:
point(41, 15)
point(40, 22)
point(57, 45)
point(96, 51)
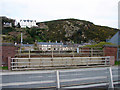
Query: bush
point(117, 62)
point(101, 44)
point(4, 68)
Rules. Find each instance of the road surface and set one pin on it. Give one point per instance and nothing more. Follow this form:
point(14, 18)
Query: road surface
point(46, 79)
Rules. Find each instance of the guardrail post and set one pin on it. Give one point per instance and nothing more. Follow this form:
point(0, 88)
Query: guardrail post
point(91, 52)
point(57, 79)
point(78, 50)
point(9, 63)
point(111, 86)
point(105, 60)
point(29, 53)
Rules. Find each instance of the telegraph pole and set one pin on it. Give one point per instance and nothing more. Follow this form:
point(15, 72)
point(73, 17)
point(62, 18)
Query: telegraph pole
point(21, 43)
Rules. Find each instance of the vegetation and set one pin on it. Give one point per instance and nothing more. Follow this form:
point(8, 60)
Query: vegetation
point(4, 68)
point(117, 62)
point(101, 44)
point(6, 30)
point(73, 30)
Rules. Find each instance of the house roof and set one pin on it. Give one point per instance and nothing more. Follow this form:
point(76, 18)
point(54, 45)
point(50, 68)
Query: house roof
point(7, 44)
point(115, 39)
point(49, 43)
point(27, 45)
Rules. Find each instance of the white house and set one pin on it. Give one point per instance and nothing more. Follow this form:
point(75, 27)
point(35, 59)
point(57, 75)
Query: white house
point(48, 46)
point(27, 23)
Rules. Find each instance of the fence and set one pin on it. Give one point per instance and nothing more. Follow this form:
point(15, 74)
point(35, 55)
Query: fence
point(84, 51)
point(36, 63)
point(74, 78)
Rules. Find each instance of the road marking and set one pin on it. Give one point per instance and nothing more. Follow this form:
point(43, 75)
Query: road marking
point(54, 76)
point(67, 75)
point(25, 83)
point(80, 79)
point(52, 71)
point(35, 76)
point(26, 72)
point(85, 70)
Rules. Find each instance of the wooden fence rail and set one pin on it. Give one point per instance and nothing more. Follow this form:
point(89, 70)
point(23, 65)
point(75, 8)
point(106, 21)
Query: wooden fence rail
point(35, 63)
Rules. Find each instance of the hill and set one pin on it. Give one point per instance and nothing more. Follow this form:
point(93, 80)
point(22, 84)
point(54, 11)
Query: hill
point(73, 30)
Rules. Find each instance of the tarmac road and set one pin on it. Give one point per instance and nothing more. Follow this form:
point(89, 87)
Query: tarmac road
point(46, 79)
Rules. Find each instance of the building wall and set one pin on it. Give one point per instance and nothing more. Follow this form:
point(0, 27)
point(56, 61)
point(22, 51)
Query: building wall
point(27, 23)
point(8, 51)
point(7, 22)
point(49, 47)
point(28, 48)
point(110, 51)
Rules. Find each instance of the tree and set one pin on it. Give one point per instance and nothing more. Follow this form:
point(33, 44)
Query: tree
point(18, 25)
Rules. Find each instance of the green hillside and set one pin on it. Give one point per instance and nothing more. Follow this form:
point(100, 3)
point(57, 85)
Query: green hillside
point(73, 30)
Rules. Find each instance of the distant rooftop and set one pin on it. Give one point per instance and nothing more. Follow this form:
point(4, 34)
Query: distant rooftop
point(7, 44)
point(115, 39)
point(49, 43)
point(27, 45)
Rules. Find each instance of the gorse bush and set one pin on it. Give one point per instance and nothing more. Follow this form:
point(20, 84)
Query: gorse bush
point(101, 44)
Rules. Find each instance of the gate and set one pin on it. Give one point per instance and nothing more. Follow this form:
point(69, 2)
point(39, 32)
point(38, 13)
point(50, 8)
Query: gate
point(38, 63)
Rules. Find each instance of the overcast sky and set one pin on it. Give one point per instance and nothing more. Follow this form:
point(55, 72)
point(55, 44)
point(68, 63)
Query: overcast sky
point(100, 12)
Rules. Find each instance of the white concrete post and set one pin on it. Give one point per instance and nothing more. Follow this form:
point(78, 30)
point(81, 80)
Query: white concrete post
point(106, 60)
point(78, 50)
point(52, 53)
point(111, 86)
point(9, 63)
point(12, 65)
point(29, 53)
point(91, 52)
point(57, 79)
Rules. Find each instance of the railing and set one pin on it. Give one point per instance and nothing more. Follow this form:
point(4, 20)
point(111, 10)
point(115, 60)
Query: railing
point(74, 78)
point(36, 63)
point(106, 76)
point(76, 51)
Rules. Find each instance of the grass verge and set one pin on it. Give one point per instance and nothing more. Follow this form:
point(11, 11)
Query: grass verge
point(117, 62)
point(4, 68)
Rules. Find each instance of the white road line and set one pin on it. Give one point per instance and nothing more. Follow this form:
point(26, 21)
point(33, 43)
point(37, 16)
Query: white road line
point(67, 75)
point(25, 83)
point(85, 70)
point(80, 79)
point(35, 76)
point(26, 72)
point(52, 71)
point(54, 76)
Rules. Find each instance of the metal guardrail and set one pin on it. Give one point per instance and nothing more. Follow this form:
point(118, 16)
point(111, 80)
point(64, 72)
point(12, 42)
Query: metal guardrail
point(34, 63)
point(96, 80)
point(74, 78)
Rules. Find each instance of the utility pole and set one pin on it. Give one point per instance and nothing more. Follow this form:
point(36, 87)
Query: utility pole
point(21, 43)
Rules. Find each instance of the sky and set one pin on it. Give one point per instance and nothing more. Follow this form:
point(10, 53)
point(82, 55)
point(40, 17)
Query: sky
point(100, 12)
